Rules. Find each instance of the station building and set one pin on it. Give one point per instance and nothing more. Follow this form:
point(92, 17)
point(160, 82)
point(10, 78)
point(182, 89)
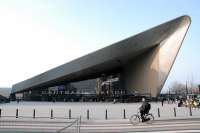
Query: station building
point(138, 65)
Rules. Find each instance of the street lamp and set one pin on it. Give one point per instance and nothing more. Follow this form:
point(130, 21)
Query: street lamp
point(199, 88)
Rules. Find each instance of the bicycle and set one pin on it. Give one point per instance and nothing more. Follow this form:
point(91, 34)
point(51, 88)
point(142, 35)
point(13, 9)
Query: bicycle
point(136, 118)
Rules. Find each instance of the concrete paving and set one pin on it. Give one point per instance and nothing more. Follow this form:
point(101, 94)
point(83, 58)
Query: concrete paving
point(115, 123)
point(156, 126)
point(100, 126)
point(96, 110)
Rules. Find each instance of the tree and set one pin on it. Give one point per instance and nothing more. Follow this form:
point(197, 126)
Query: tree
point(177, 88)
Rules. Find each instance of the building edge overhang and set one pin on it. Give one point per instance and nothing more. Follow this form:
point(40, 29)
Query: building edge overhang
point(158, 63)
point(187, 21)
point(131, 46)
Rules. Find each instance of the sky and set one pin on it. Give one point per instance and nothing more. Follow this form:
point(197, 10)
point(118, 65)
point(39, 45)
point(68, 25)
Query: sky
point(38, 35)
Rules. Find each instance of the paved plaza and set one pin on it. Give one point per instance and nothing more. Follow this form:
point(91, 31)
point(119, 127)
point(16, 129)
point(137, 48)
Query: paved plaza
point(97, 111)
point(54, 117)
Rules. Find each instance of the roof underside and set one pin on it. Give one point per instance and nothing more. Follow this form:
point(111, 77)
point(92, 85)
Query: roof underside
point(108, 59)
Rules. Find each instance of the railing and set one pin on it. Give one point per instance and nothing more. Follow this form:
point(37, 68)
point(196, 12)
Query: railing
point(77, 122)
point(40, 124)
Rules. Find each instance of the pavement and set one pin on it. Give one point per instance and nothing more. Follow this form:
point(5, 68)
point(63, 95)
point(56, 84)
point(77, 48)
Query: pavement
point(97, 110)
point(168, 122)
point(188, 125)
point(171, 125)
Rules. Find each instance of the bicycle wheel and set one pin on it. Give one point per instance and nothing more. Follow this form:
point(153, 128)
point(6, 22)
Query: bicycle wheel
point(150, 117)
point(134, 119)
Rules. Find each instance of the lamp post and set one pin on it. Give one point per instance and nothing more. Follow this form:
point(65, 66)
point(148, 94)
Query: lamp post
point(199, 88)
point(186, 89)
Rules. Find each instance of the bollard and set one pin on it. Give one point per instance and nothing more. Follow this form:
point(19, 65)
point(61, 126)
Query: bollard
point(88, 114)
point(51, 113)
point(124, 114)
point(174, 112)
point(79, 124)
point(158, 112)
point(190, 109)
point(0, 113)
point(106, 115)
point(33, 113)
point(80, 119)
point(70, 114)
point(17, 113)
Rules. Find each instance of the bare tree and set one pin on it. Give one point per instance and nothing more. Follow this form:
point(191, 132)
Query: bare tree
point(177, 88)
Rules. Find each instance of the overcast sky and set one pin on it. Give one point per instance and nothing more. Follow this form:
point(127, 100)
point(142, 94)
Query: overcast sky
point(38, 35)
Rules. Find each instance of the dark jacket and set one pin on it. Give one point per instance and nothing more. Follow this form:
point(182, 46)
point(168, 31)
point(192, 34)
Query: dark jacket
point(145, 107)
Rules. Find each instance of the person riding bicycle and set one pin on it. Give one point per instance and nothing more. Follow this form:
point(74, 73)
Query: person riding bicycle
point(144, 109)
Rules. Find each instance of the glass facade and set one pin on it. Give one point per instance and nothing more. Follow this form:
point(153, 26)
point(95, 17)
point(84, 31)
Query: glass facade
point(104, 88)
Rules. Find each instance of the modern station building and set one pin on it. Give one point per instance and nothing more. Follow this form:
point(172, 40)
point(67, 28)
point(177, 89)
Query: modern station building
point(4, 94)
point(138, 65)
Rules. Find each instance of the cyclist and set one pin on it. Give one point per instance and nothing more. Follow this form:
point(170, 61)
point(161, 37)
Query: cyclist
point(144, 109)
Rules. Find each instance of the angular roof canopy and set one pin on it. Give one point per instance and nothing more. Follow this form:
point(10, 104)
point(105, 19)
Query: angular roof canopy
point(111, 58)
